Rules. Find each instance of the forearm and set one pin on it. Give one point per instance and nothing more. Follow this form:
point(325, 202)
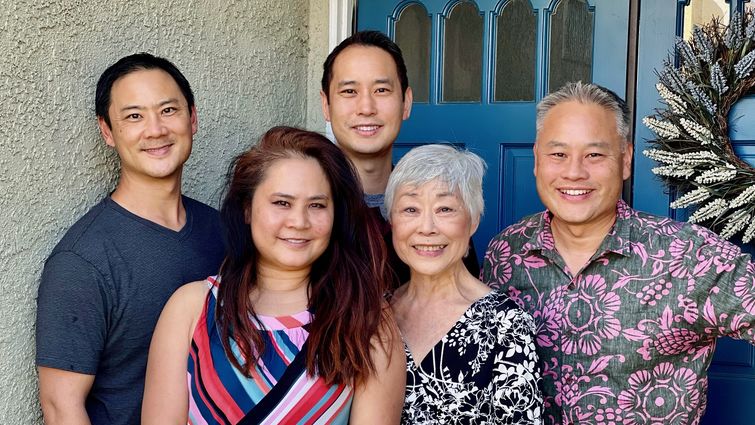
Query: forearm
point(63, 412)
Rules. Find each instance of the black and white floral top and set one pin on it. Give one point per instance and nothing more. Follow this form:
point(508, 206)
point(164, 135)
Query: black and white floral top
point(483, 371)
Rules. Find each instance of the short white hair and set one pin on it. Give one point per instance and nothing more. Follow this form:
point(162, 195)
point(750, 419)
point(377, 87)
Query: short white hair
point(461, 170)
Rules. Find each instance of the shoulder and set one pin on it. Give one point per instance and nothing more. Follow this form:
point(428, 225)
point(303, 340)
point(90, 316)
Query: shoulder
point(199, 208)
point(522, 231)
point(191, 296)
point(89, 227)
point(504, 313)
point(664, 231)
point(186, 305)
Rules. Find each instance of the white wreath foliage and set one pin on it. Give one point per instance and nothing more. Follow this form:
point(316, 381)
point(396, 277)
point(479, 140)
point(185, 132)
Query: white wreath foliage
point(692, 146)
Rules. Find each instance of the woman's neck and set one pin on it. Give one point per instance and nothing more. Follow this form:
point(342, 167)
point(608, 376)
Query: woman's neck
point(280, 292)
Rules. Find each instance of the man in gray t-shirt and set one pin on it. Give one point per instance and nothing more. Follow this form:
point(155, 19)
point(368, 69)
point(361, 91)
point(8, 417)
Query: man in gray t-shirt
point(107, 280)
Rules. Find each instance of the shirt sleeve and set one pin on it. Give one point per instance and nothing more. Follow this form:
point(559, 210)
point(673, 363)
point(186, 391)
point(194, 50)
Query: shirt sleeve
point(727, 305)
point(71, 315)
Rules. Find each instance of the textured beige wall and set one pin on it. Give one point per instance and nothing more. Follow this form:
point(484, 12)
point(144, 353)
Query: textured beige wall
point(318, 51)
point(247, 62)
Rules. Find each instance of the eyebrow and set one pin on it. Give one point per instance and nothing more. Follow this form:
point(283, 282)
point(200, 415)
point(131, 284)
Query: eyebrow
point(440, 195)
point(318, 197)
point(557, 144)
point(377, 81)
point(140, 107)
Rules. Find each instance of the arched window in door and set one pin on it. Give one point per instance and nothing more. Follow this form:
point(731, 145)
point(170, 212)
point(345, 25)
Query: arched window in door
point(462, 54)
point(571, 43)
point(413, 37)
point(516, 38)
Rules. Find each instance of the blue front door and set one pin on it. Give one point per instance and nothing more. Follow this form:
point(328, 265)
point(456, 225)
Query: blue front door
point(478, 68)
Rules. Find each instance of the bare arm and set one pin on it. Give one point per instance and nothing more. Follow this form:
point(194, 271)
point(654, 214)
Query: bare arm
point(166, 396)
point(379, 401)
point(62, 395)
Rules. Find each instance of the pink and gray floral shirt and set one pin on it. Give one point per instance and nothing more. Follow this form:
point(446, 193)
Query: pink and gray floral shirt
point(628, 339)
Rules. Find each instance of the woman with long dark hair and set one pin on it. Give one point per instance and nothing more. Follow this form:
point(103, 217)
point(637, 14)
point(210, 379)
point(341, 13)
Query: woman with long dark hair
point(294, 329)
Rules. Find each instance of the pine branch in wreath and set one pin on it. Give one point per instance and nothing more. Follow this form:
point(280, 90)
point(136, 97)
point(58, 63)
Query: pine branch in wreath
point(695, 157)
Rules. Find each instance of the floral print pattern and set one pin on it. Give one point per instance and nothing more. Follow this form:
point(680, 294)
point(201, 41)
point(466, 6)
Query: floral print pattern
point(629, 338)
point(483, 371)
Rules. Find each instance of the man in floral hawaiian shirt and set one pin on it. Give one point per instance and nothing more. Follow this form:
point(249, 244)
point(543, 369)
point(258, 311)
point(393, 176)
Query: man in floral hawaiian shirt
point(628, 305)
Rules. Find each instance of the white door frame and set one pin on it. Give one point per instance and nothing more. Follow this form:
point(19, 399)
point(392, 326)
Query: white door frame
point(341, 14)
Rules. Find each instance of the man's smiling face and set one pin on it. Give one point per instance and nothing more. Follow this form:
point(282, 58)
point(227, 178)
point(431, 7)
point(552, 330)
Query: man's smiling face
point(581, 162)
point(364, 104)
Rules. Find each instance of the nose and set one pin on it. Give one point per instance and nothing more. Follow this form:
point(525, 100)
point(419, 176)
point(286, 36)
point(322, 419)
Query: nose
point(366, 105)
point(427, 223)
point(575, 169)
point(298, 218)
point(155, 126)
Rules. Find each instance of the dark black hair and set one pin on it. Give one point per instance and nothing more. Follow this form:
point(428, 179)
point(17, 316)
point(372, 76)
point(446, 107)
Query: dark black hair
point(370, 39)
point(129, 64)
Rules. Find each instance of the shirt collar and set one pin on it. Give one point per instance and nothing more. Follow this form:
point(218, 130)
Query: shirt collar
point(618, 239)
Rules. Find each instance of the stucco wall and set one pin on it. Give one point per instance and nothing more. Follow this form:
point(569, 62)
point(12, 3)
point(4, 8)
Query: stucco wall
point(318, 51)
point(247, 62)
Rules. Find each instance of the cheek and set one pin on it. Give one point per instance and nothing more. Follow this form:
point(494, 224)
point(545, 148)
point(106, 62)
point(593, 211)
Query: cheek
point(323, 224)
point(401, 228)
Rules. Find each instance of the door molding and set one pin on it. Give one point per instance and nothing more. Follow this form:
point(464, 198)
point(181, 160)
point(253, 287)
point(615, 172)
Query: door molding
point(341, 21)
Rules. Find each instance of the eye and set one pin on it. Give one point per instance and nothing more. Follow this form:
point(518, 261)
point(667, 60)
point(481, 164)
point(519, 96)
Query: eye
point(594, 155)
point(410, 210)
point(317, 205)
point(445, 209)
point(348, 92)
point(169, 110)
point(282, 203)
point(382, 90)
point(558, 155)
point(133, 116)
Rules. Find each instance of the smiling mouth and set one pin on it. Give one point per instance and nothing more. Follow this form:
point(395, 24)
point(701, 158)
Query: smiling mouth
point(429, 248)
point(158, 150)
point(367, 129)
point(295, 241)
point(575, 192)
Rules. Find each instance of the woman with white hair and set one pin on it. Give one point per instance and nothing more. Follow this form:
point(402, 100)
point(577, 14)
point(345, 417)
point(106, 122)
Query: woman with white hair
point(470, 351)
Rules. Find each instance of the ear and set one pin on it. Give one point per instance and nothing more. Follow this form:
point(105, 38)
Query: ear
point(325, 106)
point(408, 98)
point(475, 225)
point(534, 156)
point(106, 132)
point(194, 120)
point(626, 171)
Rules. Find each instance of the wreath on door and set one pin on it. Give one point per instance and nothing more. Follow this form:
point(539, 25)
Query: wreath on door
point(691, 145)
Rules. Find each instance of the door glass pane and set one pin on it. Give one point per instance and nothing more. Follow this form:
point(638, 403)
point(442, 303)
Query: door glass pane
point(570, 43)
point(462, 54)
point(413, 36)
point(515, 52)
point(701, 12)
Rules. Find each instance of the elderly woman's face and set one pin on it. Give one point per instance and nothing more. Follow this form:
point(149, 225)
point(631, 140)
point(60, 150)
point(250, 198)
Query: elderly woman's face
point(431, 228)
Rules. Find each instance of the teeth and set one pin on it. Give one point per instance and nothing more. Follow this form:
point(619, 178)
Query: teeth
point(574, 192)
point(296, 240)
point(429, 248)
point(367, 127)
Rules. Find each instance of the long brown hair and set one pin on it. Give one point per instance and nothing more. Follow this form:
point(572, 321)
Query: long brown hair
point(346, 283)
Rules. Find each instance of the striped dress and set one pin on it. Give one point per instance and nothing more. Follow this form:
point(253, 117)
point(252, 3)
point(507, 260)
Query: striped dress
point(278, 391)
